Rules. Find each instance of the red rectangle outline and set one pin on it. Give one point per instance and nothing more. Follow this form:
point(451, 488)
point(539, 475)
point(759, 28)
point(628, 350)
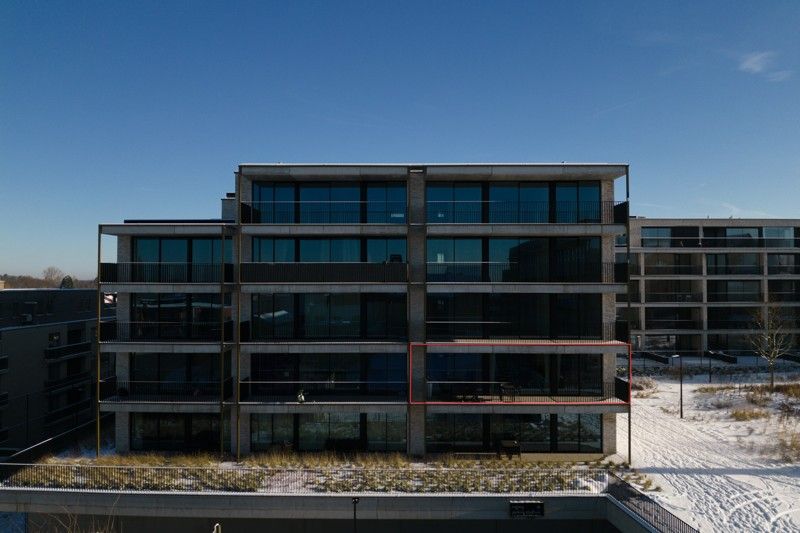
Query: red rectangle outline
point(411, 346)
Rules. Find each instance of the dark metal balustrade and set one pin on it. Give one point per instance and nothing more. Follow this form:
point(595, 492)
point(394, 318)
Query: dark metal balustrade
point(784, 269)
point(673, 270)
point(495, 329)
point(324, 272)
point(165, 331)
point(734, 296)
point(165, 273)
point(733, 270)
point(331, 391)
point(58, 352)
point(511, 392)
point(673, 324)
point(115, 391)
point(514, 272)
point(673, 297)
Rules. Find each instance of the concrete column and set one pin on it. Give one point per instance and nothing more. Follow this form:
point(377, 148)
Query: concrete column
point(123, 366)
point(122, 436)
point(417, 296)
point(244, 433)
point(609, 433)
point(416, 430)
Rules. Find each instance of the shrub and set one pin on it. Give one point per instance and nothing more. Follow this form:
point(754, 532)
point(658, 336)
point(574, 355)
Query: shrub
point(743, 415)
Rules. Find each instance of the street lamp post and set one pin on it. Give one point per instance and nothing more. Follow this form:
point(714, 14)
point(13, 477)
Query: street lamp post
point(355, 523)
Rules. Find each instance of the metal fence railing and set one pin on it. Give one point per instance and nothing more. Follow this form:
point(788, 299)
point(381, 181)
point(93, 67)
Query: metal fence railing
point(165, 272)
point(508, 392)
point(299, 481)
point(114, 391)
point(330, 391)
point(544, 271)
point(115, 331)
point(645, 507)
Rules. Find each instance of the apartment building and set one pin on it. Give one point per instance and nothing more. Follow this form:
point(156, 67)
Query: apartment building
point(46, 363)
point(375, 307)
point(697, 284)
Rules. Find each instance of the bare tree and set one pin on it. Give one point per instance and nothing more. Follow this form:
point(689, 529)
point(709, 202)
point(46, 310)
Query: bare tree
point(771, 339)
point(52, 275)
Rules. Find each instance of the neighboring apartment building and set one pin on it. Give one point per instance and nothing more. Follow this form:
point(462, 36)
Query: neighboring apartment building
point(697, 284)
point(47, 363)
point(410, 308)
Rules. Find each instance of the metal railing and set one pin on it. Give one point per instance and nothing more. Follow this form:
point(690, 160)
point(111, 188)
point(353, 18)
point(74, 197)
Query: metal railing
point(673, 324)
point(58, 352)
point(324, 212)
point(114, 391)
point(510, 392)
point(734, 296)
point(718, 242)
point(733, 270)
point(784, 296)
point(165, 273)
point(522, 212)
point(673, 270)
point(673, 297)
point(330, 391)
point(324, 272)
point(164, 331)
point(332, 480)
point(646, 507)
point(528, 272)
point(784, 269)
point(714, 323)
point(284, 330)
point(468, 328)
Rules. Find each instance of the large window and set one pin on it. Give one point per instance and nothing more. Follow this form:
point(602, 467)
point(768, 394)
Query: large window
point(178, 260)
point(508, 315)
point(734, 291)
point(176, 315)
point(336, 250)
point(674, 237)
point(328, 203)
point(174, 432)
point(333, 316)
point(514, 202)
point(346, 432)
point(571, 433)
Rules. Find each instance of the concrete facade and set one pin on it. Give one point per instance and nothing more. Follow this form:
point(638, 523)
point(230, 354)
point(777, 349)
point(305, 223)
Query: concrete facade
point(240, 226)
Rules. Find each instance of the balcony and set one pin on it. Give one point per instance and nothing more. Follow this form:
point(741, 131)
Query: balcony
point(514, 212)
point(511, 272)
point(730, 324)
point(165, 273)
point(748, 242)
point(113, 391)
point(673, 270)
point(677, 297)
point(733, 270)
point(734, 296)
point(673, 324)
point(324, 212)
point(784, 269)
point(506, 392)
point(488, 329)
point(165, 331)
point(324, 272)
point(68, 350)
point(332, 391)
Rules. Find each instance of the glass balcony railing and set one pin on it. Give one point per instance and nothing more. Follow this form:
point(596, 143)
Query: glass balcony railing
point(324, 212)
point(324, 272)
point(516, 212)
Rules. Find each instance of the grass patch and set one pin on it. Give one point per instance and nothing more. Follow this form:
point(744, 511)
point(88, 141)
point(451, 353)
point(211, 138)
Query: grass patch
point(743, 415)
point(713, 389)
point(721, 403)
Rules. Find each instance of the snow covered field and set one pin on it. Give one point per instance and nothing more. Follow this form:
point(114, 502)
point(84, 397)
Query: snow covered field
point(716, 473)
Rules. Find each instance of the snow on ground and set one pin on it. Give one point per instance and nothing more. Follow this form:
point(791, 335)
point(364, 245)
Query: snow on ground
point(712, 470)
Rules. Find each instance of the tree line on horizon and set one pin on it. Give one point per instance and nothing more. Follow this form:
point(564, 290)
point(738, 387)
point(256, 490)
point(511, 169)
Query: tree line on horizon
point(51, 278)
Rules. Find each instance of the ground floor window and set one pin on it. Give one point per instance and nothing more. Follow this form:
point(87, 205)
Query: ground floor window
point(448, 432)
point(328, 431)
point(174, 432)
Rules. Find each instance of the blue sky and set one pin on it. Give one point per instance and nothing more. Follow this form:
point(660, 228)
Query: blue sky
point(143, 109)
